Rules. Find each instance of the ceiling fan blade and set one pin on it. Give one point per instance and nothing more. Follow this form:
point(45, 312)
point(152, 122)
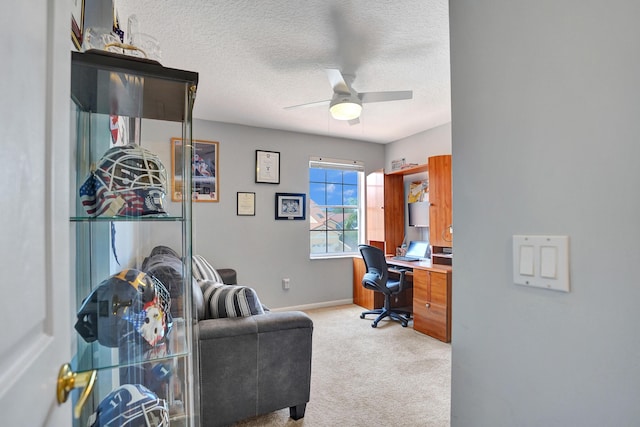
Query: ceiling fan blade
point(385, 96)
point(309, 104)
point(338, 82)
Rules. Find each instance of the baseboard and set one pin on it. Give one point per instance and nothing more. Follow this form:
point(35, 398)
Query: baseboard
point(314, 305)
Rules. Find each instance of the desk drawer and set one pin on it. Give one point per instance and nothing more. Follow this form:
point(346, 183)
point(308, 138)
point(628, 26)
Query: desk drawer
point(430, 319)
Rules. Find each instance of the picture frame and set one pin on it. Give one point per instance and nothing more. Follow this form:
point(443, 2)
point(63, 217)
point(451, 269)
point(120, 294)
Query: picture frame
point(246, 203)
point(205, 179)
point(77, 22)
point(291, 206)
point(267, 167)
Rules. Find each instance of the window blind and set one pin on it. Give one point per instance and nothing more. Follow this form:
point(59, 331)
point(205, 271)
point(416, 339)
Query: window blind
point(328, 163)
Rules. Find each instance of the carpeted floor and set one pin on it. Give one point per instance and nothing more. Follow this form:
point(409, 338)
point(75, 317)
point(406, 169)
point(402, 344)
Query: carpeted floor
point(361, 376)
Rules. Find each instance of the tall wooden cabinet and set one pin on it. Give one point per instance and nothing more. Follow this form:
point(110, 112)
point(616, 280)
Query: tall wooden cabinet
point(385, 211)
point(440, 198)
point(430, 296)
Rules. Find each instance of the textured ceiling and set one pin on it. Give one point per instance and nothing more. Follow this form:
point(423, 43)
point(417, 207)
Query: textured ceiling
point(257, 57)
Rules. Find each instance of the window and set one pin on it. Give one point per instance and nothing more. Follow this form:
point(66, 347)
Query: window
point(335, 206)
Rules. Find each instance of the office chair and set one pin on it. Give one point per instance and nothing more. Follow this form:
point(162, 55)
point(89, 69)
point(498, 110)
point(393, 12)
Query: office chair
point(377, 279)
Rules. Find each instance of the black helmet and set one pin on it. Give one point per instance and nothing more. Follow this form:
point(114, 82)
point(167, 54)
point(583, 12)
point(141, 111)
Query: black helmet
point(130, 301)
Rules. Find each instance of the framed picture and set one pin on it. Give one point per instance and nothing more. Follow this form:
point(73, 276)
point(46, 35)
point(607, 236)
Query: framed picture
point(268, 167)
point(77, 22)
point(246, 204)
point(205, 179)
point(290, 205)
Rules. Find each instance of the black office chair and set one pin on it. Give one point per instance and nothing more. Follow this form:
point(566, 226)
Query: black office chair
point(377, 279)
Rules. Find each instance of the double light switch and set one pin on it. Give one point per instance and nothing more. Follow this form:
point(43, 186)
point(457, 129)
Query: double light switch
point(541, 261)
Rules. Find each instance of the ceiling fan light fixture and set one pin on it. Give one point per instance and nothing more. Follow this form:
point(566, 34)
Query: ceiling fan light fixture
point(345, 107)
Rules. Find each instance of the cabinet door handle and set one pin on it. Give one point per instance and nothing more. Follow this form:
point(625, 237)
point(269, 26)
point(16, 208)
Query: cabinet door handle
point(68, 380)
point(427, 305)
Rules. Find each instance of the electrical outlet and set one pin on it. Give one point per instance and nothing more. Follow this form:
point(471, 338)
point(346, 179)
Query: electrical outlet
point(286, 283)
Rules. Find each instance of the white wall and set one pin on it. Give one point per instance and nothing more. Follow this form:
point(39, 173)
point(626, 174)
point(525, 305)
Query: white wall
point(546, 140)
point(261, 249)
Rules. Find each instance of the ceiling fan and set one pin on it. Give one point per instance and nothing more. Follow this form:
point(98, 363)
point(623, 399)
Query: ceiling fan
point(346, 103)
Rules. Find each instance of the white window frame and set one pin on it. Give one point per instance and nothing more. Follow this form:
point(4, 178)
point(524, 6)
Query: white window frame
point(340, 164)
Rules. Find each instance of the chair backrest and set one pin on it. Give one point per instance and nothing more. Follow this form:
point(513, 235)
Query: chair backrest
point(376, 265)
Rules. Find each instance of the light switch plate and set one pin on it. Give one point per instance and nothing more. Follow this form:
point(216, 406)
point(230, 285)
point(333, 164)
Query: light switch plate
point(547, 256)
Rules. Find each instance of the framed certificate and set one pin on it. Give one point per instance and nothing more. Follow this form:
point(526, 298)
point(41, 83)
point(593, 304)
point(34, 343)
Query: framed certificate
point(246, 204)
point(268, 167)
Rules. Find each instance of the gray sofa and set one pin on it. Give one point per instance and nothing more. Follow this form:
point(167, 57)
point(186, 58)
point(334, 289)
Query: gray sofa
point(250, 365)
point(253, 365)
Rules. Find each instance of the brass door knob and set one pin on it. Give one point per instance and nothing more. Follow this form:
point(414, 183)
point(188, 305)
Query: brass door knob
point(68, 380)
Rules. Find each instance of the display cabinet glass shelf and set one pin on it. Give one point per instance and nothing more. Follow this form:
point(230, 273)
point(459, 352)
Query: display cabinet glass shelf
point(134, 331)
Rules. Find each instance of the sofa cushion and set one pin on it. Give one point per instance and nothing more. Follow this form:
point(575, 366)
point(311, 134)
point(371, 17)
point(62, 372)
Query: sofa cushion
point(202, 270)
point(222, 300)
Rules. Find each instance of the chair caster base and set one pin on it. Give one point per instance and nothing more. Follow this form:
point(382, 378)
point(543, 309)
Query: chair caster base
point(400, 316)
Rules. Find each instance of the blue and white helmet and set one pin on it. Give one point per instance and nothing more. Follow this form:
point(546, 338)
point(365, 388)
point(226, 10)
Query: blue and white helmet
point(130, 405)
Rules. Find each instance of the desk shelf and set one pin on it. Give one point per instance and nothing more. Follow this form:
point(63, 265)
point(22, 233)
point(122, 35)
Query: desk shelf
point(410, 170)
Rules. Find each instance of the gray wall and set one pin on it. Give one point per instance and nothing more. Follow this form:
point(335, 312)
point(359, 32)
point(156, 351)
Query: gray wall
point(546, 141)
point(261, 249)
point(419, 147)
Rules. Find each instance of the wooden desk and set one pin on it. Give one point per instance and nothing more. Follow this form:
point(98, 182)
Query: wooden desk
point(430, 297)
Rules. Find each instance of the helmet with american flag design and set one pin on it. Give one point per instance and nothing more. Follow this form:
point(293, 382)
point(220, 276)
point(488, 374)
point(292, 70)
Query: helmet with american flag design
point(128, 181)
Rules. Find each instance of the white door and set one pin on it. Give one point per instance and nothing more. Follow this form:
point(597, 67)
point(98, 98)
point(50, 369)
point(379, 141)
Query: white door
point(35, 321)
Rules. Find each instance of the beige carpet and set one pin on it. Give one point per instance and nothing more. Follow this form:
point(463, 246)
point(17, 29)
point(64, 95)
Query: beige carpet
point(361, 376)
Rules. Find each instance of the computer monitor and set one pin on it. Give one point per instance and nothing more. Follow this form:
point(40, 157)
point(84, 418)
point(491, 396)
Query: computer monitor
point(418, 249)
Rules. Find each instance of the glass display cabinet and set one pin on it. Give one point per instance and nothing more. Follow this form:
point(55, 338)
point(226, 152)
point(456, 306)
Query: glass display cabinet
point(133, 340)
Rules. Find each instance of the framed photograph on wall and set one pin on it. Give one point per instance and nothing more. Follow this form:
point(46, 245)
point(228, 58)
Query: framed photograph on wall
point(204, 171)
point(268, 167)
point(290, 205)
point(77, 22)
point(246, 204)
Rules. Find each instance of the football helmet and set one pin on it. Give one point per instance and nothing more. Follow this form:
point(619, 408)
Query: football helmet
point(128, 181)
point(128, 305)
point(130, 405)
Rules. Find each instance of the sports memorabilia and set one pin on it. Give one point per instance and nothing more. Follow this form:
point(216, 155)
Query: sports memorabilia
point(130, 405)
point(128, 181)
point(130, 305)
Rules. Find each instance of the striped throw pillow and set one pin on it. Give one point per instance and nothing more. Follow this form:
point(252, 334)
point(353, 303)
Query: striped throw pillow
point(202, 270)
point(229, 300)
